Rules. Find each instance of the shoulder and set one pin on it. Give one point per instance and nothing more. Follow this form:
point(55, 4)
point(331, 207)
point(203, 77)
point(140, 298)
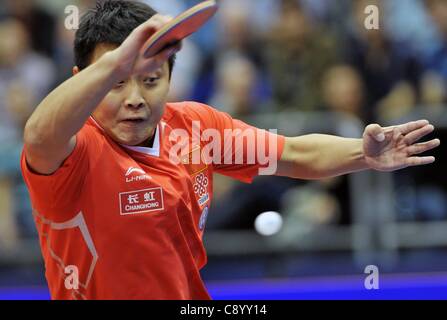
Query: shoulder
point(93, 135)
point(189, 110)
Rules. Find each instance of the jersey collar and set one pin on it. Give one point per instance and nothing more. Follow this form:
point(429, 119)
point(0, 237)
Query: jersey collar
point(154, 151)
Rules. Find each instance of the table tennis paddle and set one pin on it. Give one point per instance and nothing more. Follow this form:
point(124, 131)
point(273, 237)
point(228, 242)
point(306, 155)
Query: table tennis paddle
point(179, 28)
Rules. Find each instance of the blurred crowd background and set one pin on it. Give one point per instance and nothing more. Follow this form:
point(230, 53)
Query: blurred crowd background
point(294, 65)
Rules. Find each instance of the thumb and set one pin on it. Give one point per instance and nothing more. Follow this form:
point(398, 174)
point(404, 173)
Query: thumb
point(376, 132)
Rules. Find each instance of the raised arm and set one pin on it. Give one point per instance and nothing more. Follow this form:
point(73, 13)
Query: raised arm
point(319, 156)
point(50, 133)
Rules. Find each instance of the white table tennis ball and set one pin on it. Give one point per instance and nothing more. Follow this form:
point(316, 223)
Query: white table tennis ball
point(268, 223)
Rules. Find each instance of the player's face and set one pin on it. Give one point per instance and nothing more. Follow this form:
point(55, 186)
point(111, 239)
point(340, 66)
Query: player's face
point(130, 112)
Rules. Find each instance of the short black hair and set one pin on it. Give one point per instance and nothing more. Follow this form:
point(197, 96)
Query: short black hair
point(110, 22)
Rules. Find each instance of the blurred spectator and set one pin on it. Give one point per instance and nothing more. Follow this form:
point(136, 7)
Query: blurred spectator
point(186, 71)
point(63, 55)
point(237, 84)
point(25, 78)
point(407, 21)
point(389, 70)
point(236, 37)
point(343, 90)
point(298, 53)
point(40, 24)
point(260, 14)
point(236, 34)
point(435, 58)
point(8, 223)
point(307, 208)
point(433, 91)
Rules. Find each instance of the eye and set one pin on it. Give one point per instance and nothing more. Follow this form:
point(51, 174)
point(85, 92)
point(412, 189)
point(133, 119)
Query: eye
point(120, 84)
point(151, 80)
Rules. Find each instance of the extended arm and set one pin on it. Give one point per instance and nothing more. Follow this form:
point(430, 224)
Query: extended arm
point(319, 156)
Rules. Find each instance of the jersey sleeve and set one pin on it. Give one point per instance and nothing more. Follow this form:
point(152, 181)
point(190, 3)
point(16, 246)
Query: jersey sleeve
point(245, 151)
point(57, 196)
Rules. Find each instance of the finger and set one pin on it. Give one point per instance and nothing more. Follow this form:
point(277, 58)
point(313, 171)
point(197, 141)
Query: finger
point(419, 161)
point(411, 126)
point(154, 21)
point(168, 52)
point(417, 134)
point(159, 19)
point(376, 132)
point(147, 29)
point(423, 147)
point(144, 65)
point(177, 46)
point(151, 26)
point(163, 56)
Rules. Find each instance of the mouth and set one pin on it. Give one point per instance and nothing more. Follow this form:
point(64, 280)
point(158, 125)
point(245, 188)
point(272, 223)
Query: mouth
point(133, 121)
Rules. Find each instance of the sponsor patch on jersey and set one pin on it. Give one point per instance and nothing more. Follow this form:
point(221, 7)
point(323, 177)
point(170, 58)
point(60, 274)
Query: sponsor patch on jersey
point(141, 201)
point(200, 186)
point(203, 218)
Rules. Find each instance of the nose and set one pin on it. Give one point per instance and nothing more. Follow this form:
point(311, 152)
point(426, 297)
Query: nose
point(134, 98)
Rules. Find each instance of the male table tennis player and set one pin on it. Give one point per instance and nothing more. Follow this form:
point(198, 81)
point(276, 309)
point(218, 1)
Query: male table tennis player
point(117, 218)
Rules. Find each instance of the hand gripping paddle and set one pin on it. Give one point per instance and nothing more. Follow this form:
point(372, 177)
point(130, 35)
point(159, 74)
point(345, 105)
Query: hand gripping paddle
point(179, 28)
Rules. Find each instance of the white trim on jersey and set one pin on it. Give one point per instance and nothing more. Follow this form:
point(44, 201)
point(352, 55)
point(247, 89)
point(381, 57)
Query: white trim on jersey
point(77, 222)
point(154, 151)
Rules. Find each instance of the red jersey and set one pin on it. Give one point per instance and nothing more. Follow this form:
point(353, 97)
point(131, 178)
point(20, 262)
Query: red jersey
point(129, 220)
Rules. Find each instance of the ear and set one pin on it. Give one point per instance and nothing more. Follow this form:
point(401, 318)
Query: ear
point(75, 70)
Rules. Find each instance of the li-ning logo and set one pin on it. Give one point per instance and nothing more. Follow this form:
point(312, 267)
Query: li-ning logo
point(131, 177)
